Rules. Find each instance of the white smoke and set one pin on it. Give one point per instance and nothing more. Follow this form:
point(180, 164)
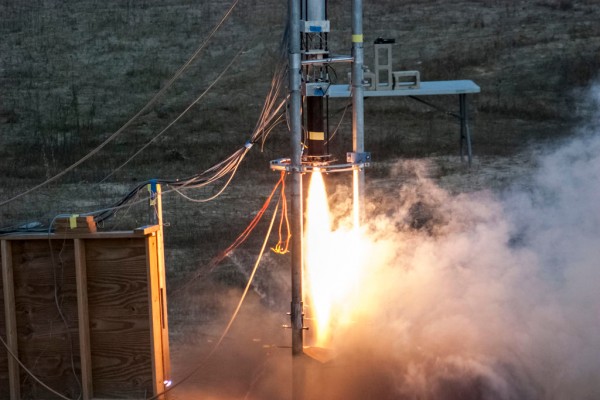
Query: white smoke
point(486, 295)
point(479, 295)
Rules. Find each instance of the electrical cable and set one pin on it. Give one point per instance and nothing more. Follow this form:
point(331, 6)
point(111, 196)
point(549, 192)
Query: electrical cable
point(130, 121)
point(271, 115)
point(35, 378)
point(220, 191)
point(59, 308)
point(278, 121)
point(280, 247)
point(145, 146)
point(233, 316)
point(241, 238)
point(339, 123)
point(236, 243)
point(264, 127)
point(265, 124)
point(195, 181)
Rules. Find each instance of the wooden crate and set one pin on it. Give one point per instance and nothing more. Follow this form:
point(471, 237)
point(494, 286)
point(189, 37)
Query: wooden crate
point(88, 308)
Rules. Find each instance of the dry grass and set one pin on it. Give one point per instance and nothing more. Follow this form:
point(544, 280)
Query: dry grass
point(73, 72)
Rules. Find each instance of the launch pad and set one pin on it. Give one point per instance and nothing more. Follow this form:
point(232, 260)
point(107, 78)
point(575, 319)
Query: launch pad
point(310, 87)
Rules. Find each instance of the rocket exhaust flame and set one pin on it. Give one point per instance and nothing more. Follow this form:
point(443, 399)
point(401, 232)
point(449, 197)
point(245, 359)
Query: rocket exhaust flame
point(333, 267)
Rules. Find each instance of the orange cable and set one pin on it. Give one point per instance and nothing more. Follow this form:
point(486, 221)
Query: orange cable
point(279, 247)
point(239, 240)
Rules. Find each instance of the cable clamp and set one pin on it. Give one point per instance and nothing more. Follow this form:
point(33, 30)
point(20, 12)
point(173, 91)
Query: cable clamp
point(248, 144)
point(358, 157)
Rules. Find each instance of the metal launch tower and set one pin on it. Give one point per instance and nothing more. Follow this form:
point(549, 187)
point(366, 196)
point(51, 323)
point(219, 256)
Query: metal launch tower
point(309, 83)
point(309, 86)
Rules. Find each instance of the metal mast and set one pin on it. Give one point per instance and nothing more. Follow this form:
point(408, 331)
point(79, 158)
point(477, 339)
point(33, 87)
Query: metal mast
point(309, 61)
point(358, 122)
point(296, 175)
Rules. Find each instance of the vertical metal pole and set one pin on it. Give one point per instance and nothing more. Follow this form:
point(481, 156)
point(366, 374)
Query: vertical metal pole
point(465, 135)
point(358, 122)
point(296, 176)
point(295, 104)
point(461, 109)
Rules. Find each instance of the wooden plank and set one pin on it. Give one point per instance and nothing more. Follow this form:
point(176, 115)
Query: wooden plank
point(120, 349)
point(119, 317)
point(10, 320)
point(154, 306)
point(165, 350)
point(4, 377)
point(97, 235)
point(46, 316)
point(84, 322)
point(147, 229)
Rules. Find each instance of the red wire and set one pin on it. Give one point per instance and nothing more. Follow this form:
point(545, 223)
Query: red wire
point(243, 236)
point(279, 247)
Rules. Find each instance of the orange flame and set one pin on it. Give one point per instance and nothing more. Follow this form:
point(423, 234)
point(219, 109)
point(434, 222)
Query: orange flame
point(333, 267)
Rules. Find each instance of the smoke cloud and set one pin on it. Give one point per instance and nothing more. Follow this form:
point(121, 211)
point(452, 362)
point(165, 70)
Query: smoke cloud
point(480, 295)
point(484, 295)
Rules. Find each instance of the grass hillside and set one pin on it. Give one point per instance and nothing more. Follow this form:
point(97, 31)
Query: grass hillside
point(73, 72)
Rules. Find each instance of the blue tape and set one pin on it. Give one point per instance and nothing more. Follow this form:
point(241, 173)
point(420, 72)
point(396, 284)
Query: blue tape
point(153, 183)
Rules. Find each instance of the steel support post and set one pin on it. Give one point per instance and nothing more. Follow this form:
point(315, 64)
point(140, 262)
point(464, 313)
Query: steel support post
point(358, 122)
point(295, 103)
point(465, 134)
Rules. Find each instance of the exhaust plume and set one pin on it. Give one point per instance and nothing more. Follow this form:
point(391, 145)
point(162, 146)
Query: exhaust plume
point(480, 295)
point(483, 295)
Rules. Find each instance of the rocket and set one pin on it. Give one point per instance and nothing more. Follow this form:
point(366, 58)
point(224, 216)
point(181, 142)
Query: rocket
point(314, 28)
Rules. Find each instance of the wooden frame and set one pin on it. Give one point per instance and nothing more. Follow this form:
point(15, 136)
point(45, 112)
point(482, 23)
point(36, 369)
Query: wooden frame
point(9, 319)
point(87, 307)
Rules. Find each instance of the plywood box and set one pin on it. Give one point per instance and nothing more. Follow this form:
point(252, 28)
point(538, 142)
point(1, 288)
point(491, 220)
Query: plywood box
point(86, 313)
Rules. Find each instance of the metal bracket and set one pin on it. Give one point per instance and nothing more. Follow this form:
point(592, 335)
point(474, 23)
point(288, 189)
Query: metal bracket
point(284, 164)
point(318, 89)
point(315, 26)
point(290, 327)
point(358, 158)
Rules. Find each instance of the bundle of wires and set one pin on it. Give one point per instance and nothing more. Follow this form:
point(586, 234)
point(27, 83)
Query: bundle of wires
point(271, 116)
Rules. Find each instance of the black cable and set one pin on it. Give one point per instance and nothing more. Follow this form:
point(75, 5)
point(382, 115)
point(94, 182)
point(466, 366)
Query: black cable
point(271, 115)
point(130, 121)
